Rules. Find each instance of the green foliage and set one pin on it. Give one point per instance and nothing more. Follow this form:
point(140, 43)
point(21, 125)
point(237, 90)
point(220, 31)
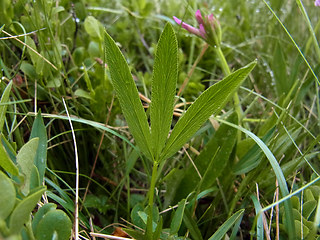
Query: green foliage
point(39, 131)
point(205, 173)
point(208, 103)
point(4, 104)
point(164, 81)
point(219, 234)
point(5, 161)
point(54, 224)
point(25, 159)
point(8, 196)
point(21, 213)
point(21, 192)
point(128, 96)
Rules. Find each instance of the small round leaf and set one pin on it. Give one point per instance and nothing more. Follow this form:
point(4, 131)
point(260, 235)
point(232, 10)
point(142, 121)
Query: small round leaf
point(54, 225)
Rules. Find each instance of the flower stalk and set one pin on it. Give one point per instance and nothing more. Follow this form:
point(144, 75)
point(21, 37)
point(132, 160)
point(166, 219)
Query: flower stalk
point(210, 31)
point(149, 230)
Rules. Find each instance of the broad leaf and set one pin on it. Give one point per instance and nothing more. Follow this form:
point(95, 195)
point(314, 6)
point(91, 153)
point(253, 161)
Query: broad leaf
point(41, 213)
point(4, 100)
point(54, 225)
point(34, 178)
point(164, 80)
point(21, 213)
point(209, 102)
point(7, 196)
point(93, 27)
point(39, 131)
point(128, 96)
point(25, 160)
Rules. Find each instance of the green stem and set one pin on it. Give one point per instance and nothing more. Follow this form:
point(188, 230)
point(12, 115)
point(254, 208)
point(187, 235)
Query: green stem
point(224, 65)
point(29, 230)
point(149, 231)
point(226, 72)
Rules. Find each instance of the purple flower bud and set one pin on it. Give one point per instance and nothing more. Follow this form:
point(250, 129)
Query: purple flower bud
point(209, 28)
point(317, 3)
point(187, 27)
point(202, 31)
point(199, 17)
point(177, 20)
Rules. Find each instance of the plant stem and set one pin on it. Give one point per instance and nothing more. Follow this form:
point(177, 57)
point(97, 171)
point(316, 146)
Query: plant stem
point(226, 72)
point(224, 65)
point(149, 231)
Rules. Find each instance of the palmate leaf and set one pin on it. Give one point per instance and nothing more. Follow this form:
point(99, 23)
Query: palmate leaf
point(128, 96)
point(209, 102)
point(164, 80)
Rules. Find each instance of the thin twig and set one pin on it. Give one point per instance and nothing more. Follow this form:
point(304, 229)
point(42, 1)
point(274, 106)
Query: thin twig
point(195, 167)
point(20, 35)
point(76, 212)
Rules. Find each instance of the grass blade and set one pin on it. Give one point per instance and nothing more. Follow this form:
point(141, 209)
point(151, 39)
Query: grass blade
point(257, 207)
point(208, 103)
point(177, 218)
point(165, 73)
point(128, 96)
point(293, 41)
point(192, 226)
point(279, 175)
point(4, 99)
point(223, 229)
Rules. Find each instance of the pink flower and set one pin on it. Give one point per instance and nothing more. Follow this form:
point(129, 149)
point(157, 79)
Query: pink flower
point(209, 28)
point(317, 3)
point(188, 27)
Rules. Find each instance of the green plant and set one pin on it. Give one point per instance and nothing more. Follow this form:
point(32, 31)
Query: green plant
point(245, 173)
point(154, 143)
point(21, 184)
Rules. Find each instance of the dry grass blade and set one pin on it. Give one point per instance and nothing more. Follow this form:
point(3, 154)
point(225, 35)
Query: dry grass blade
point(76, 212)
point(16, 38)
point(105, 236)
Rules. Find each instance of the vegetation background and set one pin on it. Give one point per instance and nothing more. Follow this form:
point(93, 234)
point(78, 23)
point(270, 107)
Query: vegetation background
point(54, 50)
